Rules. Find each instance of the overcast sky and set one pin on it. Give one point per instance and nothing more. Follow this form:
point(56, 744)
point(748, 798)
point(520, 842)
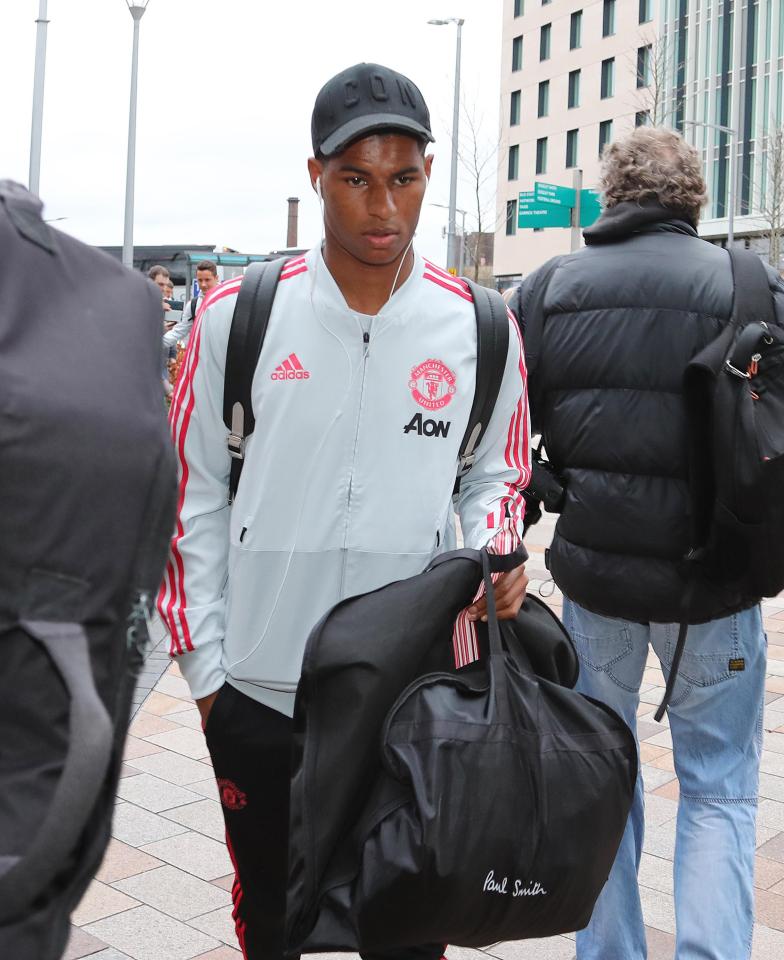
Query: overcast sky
point(226, 89)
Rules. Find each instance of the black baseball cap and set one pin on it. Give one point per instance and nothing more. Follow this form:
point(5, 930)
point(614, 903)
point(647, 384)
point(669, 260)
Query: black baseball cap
point(362, 99)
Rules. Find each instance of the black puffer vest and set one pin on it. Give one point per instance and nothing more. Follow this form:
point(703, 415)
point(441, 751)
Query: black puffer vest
point(622, 318)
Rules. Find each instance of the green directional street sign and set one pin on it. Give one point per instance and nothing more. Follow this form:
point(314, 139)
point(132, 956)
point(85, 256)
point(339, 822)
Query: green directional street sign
point(552, 193)
point(526, 196)
point(536, 214)
point(590, 207)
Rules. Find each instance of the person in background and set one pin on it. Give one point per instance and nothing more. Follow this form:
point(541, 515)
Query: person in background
point(207, 279)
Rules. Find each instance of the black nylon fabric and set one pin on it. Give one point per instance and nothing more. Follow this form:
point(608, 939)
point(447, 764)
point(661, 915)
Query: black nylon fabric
point(623, 317)
point(471, 806)
point(87, 497)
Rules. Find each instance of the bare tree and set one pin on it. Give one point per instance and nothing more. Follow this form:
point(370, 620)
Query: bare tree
point(770, 193)
point(479, 157)
point(654, 63)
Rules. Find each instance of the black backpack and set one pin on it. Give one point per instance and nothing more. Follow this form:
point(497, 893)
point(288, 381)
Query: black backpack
point(249, 325)
point(87, 504)
point(734, 391)
point(478, 805)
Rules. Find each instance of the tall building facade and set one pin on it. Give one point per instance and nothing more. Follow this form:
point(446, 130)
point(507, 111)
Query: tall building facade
point(576, 74)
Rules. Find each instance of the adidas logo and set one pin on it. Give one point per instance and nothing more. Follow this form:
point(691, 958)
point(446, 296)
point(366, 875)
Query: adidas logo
point(290, 369)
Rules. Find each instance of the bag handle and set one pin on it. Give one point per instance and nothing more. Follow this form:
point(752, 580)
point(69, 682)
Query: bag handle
point(24, 878)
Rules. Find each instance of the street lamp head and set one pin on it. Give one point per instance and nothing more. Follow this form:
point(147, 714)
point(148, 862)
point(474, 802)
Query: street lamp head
point(137, 8)
point(444, 23)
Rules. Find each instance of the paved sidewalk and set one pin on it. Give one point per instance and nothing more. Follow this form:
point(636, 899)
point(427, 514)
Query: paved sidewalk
point(163, 890)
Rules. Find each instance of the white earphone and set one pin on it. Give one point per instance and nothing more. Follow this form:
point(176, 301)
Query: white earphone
point(318, 188)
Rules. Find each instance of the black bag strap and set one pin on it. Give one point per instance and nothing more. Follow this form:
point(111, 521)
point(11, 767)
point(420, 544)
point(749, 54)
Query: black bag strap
point(752, 312)
point(246, 338)
point(194, 303)
point(531, 321)
point(492, 348)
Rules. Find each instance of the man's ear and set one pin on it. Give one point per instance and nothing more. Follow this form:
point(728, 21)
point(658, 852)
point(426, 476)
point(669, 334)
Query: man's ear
point(315, 170)
point(428, 165)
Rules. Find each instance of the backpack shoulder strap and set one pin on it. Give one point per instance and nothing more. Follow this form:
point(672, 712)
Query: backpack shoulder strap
point(492, 347)
point(246, 338)
point(531, 318)
point(194, 304)
point(752, 299)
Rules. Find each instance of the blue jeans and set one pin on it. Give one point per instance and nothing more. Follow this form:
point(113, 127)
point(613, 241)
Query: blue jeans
point(716, 725)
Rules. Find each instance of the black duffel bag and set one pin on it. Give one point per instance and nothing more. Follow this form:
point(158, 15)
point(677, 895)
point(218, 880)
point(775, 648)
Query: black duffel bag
point(490, 808)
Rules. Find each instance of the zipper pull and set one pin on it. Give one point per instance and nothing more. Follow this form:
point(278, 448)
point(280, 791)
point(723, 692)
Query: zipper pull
point(140, 613)
point(366, 341)
point(754, 365)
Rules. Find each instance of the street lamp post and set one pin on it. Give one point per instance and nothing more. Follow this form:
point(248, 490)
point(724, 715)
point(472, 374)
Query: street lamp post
point(38, 99)
point(137, 10)
point(732, 134)
point(461, 255)
point(451, 250)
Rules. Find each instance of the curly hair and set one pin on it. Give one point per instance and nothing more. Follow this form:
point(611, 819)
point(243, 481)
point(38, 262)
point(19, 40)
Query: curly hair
point(653, 163)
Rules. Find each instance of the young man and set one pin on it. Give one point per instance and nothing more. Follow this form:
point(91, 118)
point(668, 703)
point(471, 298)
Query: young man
point(339, 494)
point(207, 279)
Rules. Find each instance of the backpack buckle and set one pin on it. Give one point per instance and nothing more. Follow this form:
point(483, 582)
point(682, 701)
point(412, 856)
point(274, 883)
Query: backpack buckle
point(236, 445)
point(735, 372)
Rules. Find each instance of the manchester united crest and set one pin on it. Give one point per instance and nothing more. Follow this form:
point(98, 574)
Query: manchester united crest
point(432, 384)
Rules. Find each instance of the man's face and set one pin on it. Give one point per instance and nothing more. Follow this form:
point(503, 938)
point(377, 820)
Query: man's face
point(161, 279)
point(372, 195)
point(206, 280)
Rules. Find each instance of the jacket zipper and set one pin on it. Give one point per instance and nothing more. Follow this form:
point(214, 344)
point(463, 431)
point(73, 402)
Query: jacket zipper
point(365, 355)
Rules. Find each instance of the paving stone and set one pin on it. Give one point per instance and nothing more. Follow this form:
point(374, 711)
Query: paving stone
point(190, 743)
point(110, 954)
point(188, 718)
point(225, 883)
point(554, 948)
point(100, 901)
point(660, 842)
point(768, 874)
point(217, 924)
point(147, 934)
point(228, 953)
point(658, 909)
point(773, 849)
point(764, 834)
point(136, 826)
point(768, 944)
point(650, 752)
point(172, 767)
point(771, 787)
point(769, 909)
point(666, 762)
point(134, 747)
point(663, 738)
point(121, 861)
point(194, 853)
point(671, 790)
point(770, 813)
point(659, 810)
point(144, 724)
point(654, 777)
point(207, 788)
point(661, 945)
point(175, 892)
point(161, 704)
point(647, 729)
point(204, 816)
point(174, 687)
point(81, 944)
point(155, 794)
point(656, 873)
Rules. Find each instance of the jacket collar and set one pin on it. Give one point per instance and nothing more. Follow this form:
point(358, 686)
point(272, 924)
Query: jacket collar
point(628, 218)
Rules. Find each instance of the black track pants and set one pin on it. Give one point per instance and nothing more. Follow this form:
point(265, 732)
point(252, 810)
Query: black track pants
point(250, 746)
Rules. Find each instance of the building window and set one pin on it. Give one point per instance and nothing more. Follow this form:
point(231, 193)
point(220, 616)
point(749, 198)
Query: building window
point(646, 13)
point(574, 89)
point(605, 134)
point(541, 155)
point(545, 2)
point(517, 53)
point(519, 8)
point(514, 109)
point(608, 77)
point(644, 66)
point(642, 118)
point(571, 148)
point(514, 162)
point(608, 18)
point(511, 218)
point(544, 99)
point(576, 30)
point(544, 41)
